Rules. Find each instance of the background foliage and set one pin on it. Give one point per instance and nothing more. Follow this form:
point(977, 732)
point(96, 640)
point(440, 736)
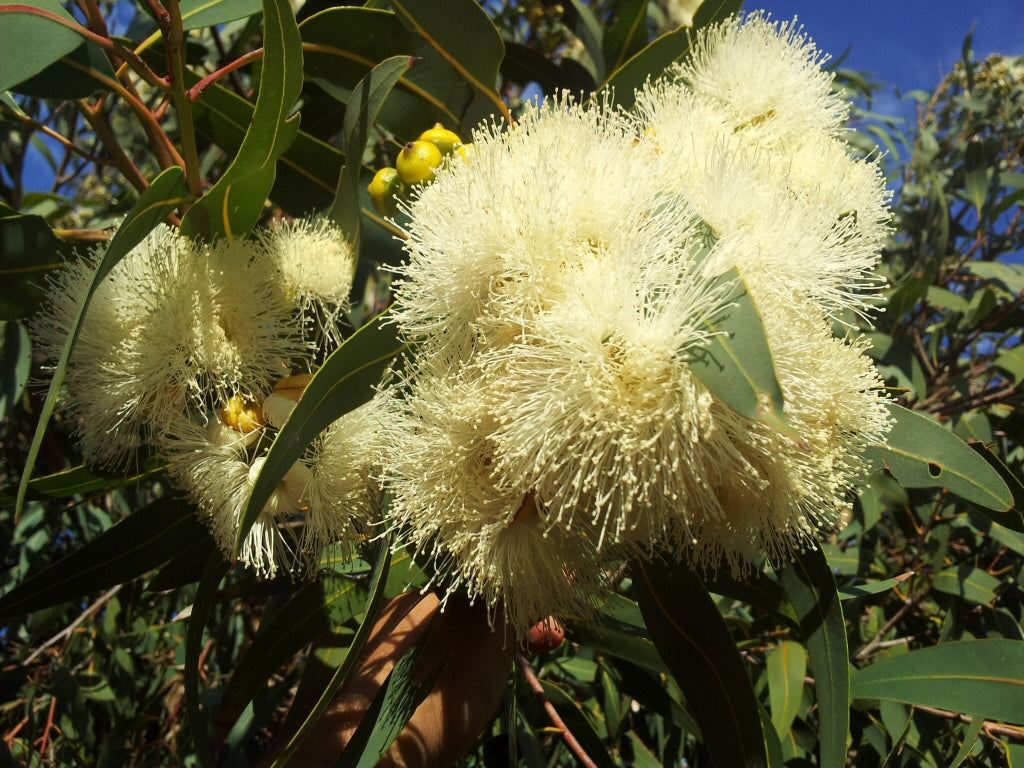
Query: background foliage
point(126, 640)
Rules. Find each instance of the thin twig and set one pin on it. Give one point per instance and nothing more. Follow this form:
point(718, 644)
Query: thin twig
point(74, 624)
point(556, 719)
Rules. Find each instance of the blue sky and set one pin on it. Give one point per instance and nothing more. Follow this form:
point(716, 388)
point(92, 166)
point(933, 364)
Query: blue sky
point(908, 44)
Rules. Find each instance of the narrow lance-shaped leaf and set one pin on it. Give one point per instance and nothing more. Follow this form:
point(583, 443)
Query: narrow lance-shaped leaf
point(693, 639)
point(196, 14)
point(811, 588)
point(373, 603)
point(463, 33)
point(787, 665)
point(206, 595)
point(981, 677)
point(130, 548)
point(737, 364)
point(165, 194)
point(661, 54)
point(233, 205)
point(345, 381)
point(363, 108)
point(390, 710)
point(38, 38)
point(921, 453)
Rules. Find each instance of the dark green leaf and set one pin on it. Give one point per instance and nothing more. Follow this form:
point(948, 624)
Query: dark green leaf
point(809, 583)
point(196, 14)
point(983, 677)
point(41, 38)
point(28, 252)
point(693, 639)
point(968, 583)
point(15, 363)
point(627, 36)
point(198, 721)
point(316, 609)
point(82, 480)
point(376, 595)
point(360, 116)
point(165, 194)
point(976, 175)
point(1012, 518)
point(81, 73)
point(653, 60)
point(345, 381)
point(579, 724)
point(523, 65)
point(1012, 361)
point(390, 710)
point(921, 453)
point(232, 206)
point(462, 32)
point(737, 364)
point(130, 548)
point(342, 44)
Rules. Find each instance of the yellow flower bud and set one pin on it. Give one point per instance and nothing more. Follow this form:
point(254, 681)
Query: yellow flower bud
point(445, 140)
point(417, 161)
point(241, 415)
point(384, 190)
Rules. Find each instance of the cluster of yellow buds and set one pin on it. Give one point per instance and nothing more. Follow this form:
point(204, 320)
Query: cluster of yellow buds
point(416, 164)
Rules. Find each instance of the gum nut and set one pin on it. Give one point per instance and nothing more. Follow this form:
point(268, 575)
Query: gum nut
point(417, 161)
point(384, 190)
point(544, 636)
point(442, 138)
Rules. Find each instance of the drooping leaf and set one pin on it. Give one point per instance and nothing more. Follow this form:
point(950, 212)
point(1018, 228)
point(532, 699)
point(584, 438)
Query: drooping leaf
point(364, 106)
point(130, 548)
point(83, 480)
point(737, 364)
point(1012, 361)
point(463, 33)
point(390, 710)
point(28, 252)
point(787, 666)
point(976, 175)
point(1013, 518)
point(968, 583)
point(82, 72)
point(578, 723)
point(345, 381)
point(232, 206)
point(590, 33)
point(920, 453)
point(316, 609)
point(693, 639)
point(524, 65)
point(627, 36)
point(165, 194)
point(811, 587)
point(40, 31)
point(15, 364)
point(373, 603)
point(341, 45)
point(654, 59)
point(983, 677)
point(196, 14)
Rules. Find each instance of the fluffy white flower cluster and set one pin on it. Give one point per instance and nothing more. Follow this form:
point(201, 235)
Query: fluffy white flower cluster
point(188, 348)
point(559, 286)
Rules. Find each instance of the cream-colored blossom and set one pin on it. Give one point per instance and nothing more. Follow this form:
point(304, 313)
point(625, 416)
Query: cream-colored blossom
point(316, 265)
point(174, 327)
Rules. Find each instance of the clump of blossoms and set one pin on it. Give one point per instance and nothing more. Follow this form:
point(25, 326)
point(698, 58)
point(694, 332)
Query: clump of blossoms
point(187, 349)
point(560, 286)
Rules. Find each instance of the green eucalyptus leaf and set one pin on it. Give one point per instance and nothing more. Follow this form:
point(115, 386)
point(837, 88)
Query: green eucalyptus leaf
point(15, 364)
point(1009, 276)
point(1012, 518)
point(694, 641)
point(166, 193)
point(41, 31)
point(345, 381)
point(360, 116)
point(390, 710)
point(968, 583)
point(787, 667)
point(627, 36)
point(864, 590)
point(921, 453)
point(316, 609)
point(130, 548)
point(1012, 361)
point(970, 739)
point(983, 677)
point(232, 206)
point(737, 364)
point(524, 65)
point(463, 33)
point(811, 587)
point(196, 14)
point(590, 33)
point(375, 597)
point(82, 72)
point(341, 45)
point(976, 175)
point(28, 252)
point(656, 58)
point(579, 724)
point(83, 480)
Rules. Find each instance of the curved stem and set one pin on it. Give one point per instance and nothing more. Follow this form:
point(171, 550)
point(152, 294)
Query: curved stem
point(180, 96)
point(556, 720)
point(98, 122)
point(197, 89)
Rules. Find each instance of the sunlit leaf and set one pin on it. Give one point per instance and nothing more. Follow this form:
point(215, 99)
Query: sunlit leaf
point(968, 583)
point(787, 666)
point(984, 677)
point(41, 38)
point(922, 454)
point(809, 583)
point(196, 14)
point(232, 206)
